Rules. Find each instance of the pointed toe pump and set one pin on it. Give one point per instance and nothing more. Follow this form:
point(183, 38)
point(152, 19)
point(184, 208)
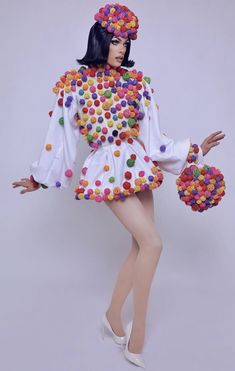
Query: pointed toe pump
point(120, 340)
point(135, 358)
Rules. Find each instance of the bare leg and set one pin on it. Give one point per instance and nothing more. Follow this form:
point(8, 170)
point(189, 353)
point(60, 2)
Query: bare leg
point(124, 282)
point(138, 222)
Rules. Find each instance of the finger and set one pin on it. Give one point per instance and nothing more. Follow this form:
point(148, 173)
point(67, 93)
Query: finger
point(19, 184)
point(216, 138)
point(213, 134)
point(24, 178)
point(15, 186)
point(25, 190)
point(214, 144)
point(220, 136)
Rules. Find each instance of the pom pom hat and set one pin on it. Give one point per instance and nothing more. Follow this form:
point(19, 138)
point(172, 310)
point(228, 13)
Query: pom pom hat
point(119, 20)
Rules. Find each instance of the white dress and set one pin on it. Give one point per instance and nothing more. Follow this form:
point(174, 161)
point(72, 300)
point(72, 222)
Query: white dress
point(116, 114)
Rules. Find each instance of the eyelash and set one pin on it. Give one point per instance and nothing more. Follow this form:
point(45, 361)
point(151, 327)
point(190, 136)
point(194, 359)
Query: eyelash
point(114, 42)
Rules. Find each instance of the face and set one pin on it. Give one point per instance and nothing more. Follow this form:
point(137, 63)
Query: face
point(117, 50)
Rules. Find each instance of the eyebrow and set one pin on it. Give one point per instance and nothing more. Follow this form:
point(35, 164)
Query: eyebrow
point(116, 37)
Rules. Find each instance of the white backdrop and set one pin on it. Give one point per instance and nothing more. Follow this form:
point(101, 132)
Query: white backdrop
point(59, 257)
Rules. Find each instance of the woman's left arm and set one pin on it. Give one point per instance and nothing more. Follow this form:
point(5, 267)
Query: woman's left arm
point(171, 155)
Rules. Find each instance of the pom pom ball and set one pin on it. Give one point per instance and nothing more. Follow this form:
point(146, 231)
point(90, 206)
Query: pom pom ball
point(201, 188)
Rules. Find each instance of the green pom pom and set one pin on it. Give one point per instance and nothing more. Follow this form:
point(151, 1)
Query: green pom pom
point(130, 162)
point(131, 122)
point(61, 121)
point(196, 173)
point(111, 179)
point(147, 79)
point(126, 76)
point(89, 138)
point(98, 128)
point(108, 93)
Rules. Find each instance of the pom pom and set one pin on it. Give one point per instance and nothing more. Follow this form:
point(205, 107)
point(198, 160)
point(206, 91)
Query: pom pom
point(201, 188)
point(119, 20)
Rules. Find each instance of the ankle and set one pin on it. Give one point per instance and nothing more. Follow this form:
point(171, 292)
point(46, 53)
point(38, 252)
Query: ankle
point(134, 348)
point(114, 315)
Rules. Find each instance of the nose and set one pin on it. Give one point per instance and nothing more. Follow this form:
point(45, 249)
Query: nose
point(122, 50)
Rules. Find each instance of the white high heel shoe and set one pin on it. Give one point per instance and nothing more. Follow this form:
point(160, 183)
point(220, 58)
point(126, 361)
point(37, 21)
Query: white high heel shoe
point(135, 358)
point(120, 340)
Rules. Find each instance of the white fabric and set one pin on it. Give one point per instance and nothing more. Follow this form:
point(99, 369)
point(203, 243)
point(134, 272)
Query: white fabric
point(51, 165)
point(173, 160)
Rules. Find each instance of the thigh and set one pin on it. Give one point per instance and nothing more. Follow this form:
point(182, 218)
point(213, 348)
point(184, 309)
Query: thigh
point(147, 200)
point(136, 219)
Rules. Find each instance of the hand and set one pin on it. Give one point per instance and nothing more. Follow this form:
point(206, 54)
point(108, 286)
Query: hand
point(211, 141)
point(25, 182)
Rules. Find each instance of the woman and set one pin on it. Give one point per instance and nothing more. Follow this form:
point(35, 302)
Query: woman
point(113, 109)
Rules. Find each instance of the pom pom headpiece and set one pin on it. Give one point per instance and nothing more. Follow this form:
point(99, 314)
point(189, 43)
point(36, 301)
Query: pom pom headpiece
point(119, 20)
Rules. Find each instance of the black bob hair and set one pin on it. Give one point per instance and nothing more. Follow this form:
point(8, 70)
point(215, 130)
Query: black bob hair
point(98, 48)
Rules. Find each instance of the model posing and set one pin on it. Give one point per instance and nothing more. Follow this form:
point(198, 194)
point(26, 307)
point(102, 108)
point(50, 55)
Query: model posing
point(113, 109)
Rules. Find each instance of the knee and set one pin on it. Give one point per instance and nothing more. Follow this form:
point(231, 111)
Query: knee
point(152, 245)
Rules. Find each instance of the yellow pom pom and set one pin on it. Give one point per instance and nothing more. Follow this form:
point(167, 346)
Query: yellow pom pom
point(110, 124)
point(116, 190)
point(147, 102)
point(85, 117)
point(87, 95)
point(138, 181)
point(117, 153)
point(90, 82)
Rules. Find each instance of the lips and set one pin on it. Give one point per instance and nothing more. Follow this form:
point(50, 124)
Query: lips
point(119, 59)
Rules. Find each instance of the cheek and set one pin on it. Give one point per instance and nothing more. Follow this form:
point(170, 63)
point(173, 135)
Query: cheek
point(112, 51)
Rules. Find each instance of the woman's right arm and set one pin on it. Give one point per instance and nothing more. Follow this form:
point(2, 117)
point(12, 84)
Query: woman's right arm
point(55, 165)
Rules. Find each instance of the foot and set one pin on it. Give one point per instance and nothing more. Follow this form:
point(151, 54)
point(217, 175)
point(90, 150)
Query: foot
point(134, 348)
point(131, 354)
point(116, 324)
point(135, 344)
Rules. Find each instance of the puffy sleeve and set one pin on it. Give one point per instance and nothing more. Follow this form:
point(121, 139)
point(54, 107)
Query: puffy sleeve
point(171, 155)
point(55, 165)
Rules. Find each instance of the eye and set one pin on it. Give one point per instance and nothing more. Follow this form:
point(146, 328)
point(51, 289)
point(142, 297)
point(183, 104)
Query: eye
point(114, 42)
